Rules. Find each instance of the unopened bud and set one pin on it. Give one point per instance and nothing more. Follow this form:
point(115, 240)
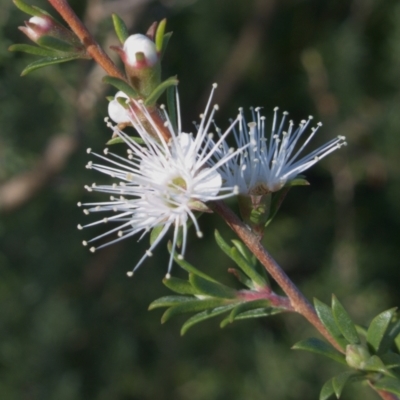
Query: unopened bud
point(116, 110)
point(140, 51)
point(37, 27)
point(357, 355)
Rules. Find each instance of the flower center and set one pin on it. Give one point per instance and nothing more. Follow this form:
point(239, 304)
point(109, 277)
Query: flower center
point(178, 184)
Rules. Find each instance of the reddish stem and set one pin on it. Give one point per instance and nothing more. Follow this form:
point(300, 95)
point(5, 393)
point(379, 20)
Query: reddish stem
point(299, 303)
point(92, 47)
point(99, 55)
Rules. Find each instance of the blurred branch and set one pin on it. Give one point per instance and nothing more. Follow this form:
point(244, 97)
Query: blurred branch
point(242, 54)
point(19, 189)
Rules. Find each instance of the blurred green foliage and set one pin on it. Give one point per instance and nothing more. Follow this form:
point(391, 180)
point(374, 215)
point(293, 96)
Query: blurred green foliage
point(72, 326)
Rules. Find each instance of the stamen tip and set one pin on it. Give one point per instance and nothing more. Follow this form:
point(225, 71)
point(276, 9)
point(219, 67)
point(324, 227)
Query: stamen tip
point(129, 274)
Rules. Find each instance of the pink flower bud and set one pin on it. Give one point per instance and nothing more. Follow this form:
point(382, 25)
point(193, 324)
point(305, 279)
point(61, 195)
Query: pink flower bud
point(140, 51)
point(37, 27)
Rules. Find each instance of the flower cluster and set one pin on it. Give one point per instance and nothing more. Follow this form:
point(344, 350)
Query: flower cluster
point(168, 175)
point(159, 184)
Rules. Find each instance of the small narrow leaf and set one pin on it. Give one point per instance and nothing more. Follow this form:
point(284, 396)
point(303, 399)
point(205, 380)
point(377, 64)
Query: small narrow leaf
point(169, 301)
point(247, 306)
point(166, 40)
point(318, 346)
point(120, 28)
point(121, 85)
point(27, 8)
point(179, 286)
point(118, 140)
point(213, 289)
point(27, 48)
point(159, 90)
point(327, 390)
point(155, 233)
point(344, 322)
point(44, 62)
point(172, 107)
point(190, 268)
point(245, 252)
point(339, 382)
point(390, 385)
point(54, 43)
point(378, 329)
point(205, 315)
point(160, 35)
point(277, 200)
point(325, 314)
point(248, 269)
point(191, 306)
point(242, 278)
point(222, 244)
point(258, 313)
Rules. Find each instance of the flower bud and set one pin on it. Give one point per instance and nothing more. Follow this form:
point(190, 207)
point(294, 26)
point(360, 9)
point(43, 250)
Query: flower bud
point(116, 110)
point(142, 63)
point(37, 27)
point(140, 52)
point(357, 356)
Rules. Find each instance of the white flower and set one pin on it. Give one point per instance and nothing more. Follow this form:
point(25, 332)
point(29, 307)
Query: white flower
point(271, 162)
point(159, 184)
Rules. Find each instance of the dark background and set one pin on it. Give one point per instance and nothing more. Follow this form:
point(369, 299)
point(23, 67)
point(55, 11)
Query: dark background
point(73, 326)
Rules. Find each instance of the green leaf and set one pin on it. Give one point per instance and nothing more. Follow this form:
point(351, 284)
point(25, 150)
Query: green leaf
point(245, 252)
point(54, 43)
point(339, 382)
point(277, 200)
point(38, 51)
point(242, 278)
point(222, 244)
point(118, 140)
point(205, 315)
point(120, 84)
point(160, 35)
point(192, 306)
point(44, 62)
point(375, 364)
point(120, 28)
point(172, 107)
point(390, 337)
point(344, 322)
point(325, 314)
point(234, 254)
point(155, 233)
point(213, 289)
point(257, 313)
point(299, 181)
point(391, 360)
point(190, 268)
point(166, 40)
point(159, 90)
point(169, 301)
point(179, 286)
point(327, 390)
point(27, 8)
point(388, 384)
point(248, 269)
point(318, 346)
point(247, 306)
point(378, 329)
